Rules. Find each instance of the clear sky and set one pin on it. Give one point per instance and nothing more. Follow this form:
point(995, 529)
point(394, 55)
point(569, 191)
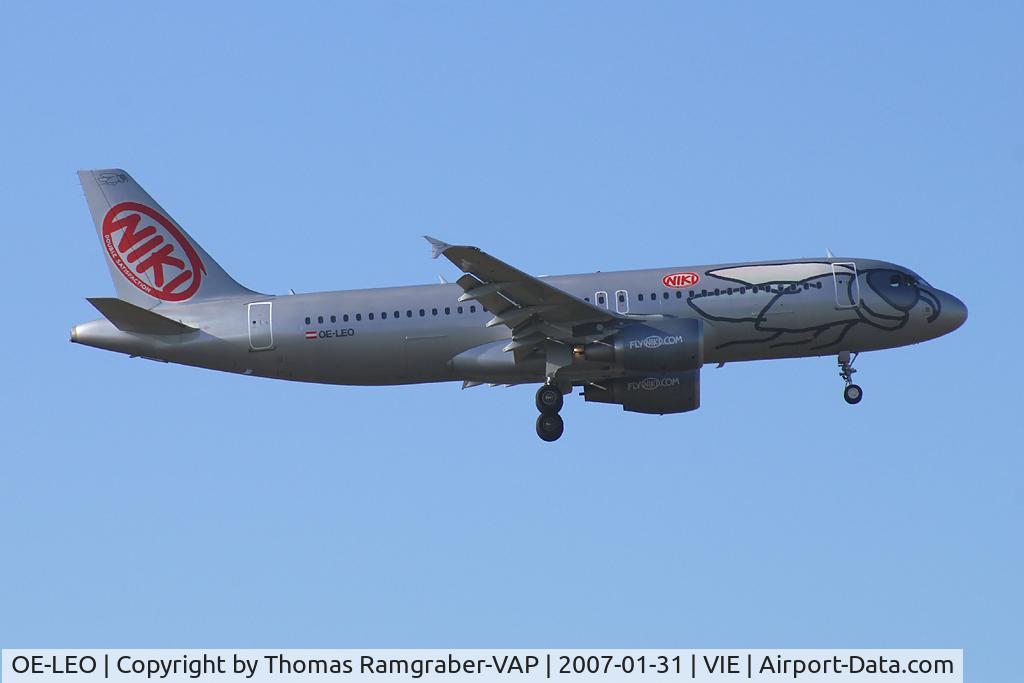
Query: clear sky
point(310, 145)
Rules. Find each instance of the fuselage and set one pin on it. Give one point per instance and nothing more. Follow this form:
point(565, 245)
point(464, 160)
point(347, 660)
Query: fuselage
point(413, 334)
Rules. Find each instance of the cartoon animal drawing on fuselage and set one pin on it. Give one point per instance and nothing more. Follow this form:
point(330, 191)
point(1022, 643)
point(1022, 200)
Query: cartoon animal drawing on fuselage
point(771, 294)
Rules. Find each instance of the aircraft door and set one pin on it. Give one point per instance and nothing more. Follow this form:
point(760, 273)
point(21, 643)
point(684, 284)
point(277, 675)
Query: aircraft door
point(261, 330)
point(621, 301)
point(844, 277)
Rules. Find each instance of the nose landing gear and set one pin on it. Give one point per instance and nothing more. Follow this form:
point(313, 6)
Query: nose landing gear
point(852, 393)
point(549, 423)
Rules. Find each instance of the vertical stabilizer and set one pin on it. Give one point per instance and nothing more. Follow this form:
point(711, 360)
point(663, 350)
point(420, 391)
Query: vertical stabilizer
point(151, 258)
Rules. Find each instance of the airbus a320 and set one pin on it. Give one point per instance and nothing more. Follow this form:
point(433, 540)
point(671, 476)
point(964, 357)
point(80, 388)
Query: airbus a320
point(635, 338)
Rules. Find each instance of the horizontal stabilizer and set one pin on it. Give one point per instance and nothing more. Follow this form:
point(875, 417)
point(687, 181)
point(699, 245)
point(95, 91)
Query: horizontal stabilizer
point(131, 318)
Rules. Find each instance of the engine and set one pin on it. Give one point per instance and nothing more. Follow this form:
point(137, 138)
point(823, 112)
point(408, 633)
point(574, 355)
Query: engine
point(676, 392)
point(667, 345)
point(665, 355)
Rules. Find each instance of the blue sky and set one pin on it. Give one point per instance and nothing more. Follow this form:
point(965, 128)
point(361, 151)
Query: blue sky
point(310, 147)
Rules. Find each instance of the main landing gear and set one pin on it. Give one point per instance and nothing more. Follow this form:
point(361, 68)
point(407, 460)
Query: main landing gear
point(852, 393)
point(549, 423)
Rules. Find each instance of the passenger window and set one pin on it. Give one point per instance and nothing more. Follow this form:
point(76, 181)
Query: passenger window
point(384, 315)
point(408, 314)
point(729, 291)
point(334, 319)
point(459, 309)
point(433, 311)
point(587, 299)
point(307, 319)
point(472, 309)
point(447, 310)
point(320, 319)
point(679, 294)
point(369, 316)
point(422, 312)
point(743, 290)
point(398, 314)
point(640, 297)
point(654, 297)
point(359, 316)
point(664, 295)
point(344, 318)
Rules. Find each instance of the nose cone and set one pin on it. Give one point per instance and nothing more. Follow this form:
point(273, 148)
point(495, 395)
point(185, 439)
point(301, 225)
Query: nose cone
point(954, 313)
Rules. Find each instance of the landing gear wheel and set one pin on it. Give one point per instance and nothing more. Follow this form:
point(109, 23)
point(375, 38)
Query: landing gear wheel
point(550, 427)
point(549, 401)
point(852, 393)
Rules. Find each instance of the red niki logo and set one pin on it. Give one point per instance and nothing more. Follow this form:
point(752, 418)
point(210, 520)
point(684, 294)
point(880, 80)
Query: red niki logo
point(680, 280)
point(151, 252)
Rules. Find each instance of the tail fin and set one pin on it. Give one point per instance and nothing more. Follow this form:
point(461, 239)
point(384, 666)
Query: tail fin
point(151, 258)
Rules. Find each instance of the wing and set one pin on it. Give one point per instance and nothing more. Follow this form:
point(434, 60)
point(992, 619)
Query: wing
point(534, 310)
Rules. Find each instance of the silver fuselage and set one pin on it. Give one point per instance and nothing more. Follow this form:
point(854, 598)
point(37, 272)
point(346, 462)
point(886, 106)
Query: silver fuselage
point(402, 335)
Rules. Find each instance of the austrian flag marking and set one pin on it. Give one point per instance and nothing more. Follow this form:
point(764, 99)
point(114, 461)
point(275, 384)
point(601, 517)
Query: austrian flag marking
point(310, 334)
point(680, 280)
point(151, 252)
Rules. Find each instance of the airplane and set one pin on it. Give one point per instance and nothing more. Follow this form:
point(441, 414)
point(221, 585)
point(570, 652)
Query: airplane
point(635, 338)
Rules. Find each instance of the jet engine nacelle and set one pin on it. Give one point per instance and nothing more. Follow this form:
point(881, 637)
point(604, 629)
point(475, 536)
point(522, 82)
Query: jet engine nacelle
point(666, 345)
point(676, 392)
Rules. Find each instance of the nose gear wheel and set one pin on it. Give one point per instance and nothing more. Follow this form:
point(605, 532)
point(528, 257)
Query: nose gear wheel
point(852, 393)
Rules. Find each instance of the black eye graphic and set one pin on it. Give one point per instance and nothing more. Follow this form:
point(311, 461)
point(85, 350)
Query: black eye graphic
point(894, 288)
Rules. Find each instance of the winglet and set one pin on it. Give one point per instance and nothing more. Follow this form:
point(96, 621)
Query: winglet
point(437, 247)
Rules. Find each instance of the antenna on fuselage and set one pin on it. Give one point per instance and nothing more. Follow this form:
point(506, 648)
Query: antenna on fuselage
point(828, 253)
